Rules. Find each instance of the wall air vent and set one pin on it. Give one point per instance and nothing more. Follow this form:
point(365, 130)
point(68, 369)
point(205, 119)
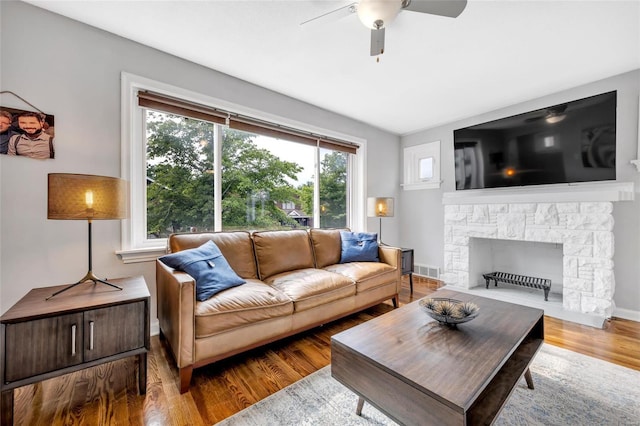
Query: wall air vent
point(427, 271)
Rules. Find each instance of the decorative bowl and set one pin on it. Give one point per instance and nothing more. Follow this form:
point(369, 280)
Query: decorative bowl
point(449, 311)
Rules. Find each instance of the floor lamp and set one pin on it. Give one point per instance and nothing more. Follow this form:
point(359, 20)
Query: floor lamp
point(380, 207)
point(86, 197)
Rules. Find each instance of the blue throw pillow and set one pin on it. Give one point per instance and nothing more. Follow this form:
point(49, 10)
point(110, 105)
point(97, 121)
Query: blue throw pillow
point(359, 247)
point(207, 266)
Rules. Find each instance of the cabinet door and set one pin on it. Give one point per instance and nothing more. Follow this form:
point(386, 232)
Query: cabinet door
point(407, 261)
point(113, 330)
point(39, 346)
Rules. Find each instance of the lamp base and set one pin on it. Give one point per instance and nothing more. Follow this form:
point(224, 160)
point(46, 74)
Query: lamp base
point(89, 277)
point(380, 234)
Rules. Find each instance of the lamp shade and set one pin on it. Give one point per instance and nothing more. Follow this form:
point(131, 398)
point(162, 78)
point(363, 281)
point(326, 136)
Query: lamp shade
point(75, 196)
point(380, 207)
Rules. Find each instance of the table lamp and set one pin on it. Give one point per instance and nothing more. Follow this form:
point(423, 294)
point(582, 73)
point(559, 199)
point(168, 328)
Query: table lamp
point(86, 197)
point(380, 207)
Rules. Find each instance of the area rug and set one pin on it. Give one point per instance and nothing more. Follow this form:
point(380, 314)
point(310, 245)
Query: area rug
point(570, 389)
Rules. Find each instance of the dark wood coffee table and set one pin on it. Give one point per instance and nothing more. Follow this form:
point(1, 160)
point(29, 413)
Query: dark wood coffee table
point(419, 372)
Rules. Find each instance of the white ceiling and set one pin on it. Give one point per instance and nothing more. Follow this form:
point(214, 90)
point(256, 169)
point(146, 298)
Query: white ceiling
point(434, 69)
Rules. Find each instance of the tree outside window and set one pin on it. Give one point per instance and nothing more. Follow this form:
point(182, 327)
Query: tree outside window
point(258, 186)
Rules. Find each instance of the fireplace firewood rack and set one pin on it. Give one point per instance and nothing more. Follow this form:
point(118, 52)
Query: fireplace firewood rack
point(522, 280)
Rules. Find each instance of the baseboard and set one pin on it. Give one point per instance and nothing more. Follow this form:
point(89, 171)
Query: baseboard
point(155, 327)
point(627, 314)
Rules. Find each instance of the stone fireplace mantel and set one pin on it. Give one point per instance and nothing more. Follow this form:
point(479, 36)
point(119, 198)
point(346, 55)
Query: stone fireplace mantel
point(576, 192)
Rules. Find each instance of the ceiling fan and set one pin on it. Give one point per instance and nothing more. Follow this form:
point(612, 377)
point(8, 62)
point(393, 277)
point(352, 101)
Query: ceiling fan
point(378, 14)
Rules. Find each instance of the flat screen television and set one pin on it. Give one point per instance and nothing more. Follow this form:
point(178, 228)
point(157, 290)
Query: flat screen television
point(571, 142)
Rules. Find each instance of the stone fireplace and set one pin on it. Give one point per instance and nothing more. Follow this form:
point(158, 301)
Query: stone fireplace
point(583, 230)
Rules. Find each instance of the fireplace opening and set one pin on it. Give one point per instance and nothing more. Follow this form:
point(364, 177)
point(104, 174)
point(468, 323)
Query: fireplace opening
point(523, 258)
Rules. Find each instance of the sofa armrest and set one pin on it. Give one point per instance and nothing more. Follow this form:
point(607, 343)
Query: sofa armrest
point(392, 256)
point(176, 311)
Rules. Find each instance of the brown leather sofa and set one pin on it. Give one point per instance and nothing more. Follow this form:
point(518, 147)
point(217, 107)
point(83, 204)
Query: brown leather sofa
point(294, 282)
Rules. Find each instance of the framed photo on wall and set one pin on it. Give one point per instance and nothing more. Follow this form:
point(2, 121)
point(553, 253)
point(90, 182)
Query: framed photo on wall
point(26, 133)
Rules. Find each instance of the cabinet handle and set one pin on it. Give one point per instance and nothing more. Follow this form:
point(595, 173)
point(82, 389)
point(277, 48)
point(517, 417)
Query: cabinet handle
point(73, 340)
point(90, 335)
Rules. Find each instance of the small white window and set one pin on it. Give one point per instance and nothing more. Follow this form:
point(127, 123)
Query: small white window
point(422, 166)
point(426, 168)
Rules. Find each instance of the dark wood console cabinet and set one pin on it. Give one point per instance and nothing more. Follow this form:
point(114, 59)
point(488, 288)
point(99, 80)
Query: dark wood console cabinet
point(407, 265)
point(86, 326)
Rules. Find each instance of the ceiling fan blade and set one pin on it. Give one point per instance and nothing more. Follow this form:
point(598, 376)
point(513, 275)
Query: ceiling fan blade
point(377, 42)
point(449, 8)
point(333, 15)
point(532, 119)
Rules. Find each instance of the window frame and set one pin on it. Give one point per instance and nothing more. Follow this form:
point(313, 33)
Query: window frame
point(135, 247)
point(412, 158)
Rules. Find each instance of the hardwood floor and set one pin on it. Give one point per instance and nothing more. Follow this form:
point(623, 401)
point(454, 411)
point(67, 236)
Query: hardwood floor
point(107, 394)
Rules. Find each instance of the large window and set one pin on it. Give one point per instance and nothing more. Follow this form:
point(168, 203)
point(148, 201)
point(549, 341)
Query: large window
point(333, 189)
point(196, 168)
point(263, 180)
point(179, 189)
point(267, 183)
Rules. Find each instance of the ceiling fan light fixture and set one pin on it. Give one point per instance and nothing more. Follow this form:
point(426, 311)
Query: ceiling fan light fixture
point(554, 118)
point(372, 11)
point(556, 114)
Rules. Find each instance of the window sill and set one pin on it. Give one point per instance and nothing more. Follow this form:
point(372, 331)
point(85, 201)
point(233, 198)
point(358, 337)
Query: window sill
point(421, 185)
point(147, 254)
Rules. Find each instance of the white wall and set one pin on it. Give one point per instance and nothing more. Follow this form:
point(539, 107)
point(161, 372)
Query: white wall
point(72, 71)
point(422, 212)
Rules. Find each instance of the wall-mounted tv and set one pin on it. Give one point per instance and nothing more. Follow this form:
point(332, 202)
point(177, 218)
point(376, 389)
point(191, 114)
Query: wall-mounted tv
point(571, 142)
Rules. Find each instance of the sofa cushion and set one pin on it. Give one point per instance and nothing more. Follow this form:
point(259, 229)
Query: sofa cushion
point(250, 303)
point(326, 246)
point(236, 247)
point(367, 275)
point(311, 287)
point(359, 247)
point(282, 251)
point(207, 266)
